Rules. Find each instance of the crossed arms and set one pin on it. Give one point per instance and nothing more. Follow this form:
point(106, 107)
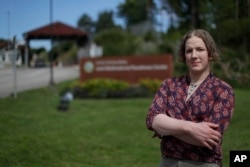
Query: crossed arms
point(202, 134)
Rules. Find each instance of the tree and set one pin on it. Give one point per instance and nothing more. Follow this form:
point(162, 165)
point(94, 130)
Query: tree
point(190, 14)
point(116, 42)
point(233, 33)
point(231, 23)
point(104, 21)
point(136, 11)
point(86, 23)
point(227, 21)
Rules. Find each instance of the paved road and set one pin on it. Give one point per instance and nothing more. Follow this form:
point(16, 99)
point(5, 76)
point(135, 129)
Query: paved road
point(31, 78)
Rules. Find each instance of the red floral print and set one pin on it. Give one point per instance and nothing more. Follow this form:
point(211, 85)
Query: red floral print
point(212, 101)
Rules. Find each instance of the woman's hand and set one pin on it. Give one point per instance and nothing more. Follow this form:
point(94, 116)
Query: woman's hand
point(202, 134)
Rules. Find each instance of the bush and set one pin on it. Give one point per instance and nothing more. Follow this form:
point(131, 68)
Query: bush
point(136, 91)
point(100, 88)
point(151, 85)
point(110, 88)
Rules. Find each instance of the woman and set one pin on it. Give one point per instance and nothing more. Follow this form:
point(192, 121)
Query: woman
point(190, 113)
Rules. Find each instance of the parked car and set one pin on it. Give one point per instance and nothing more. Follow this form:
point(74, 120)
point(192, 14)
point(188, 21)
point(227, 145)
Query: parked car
point(40, 62)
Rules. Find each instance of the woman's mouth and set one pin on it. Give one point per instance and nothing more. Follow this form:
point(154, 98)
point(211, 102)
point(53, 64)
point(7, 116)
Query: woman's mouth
point(194, 63)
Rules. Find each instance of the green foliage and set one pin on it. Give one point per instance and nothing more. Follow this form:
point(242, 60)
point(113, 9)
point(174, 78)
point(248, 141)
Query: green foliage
point(105, 21)
point(227, 21)
point(136, 11)
point(152, 85)
point(65, 46)
point(189, 14)
point(38, 51)
point(147, 44)
point(65, 52)
point(101, 88)
point(170, 41)
point(147, 48)
point(116, 42)
point(85, 23)
point(233, 67)
point(62, 47)
point(69, 57)
point(180, 68)
point(150, 36)
point(235, 33)
point(111, 88)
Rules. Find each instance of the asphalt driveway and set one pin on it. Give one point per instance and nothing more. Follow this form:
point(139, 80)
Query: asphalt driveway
point(31, 78)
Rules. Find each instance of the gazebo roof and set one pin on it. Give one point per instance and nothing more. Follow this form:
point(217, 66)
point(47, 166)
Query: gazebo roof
point(56, 30)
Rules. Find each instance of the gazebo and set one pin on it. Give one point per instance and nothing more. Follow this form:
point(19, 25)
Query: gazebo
point(55, 32)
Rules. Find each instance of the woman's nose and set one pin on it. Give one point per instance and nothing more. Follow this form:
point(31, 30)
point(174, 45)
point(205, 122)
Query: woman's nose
point(193, 54)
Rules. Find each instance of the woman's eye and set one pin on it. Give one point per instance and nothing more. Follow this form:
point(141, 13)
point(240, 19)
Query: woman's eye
point(200, 49)
point(188, 50)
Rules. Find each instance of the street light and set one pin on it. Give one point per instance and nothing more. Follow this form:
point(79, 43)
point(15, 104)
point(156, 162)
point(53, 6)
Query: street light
point(51, 83)
point(8, 24)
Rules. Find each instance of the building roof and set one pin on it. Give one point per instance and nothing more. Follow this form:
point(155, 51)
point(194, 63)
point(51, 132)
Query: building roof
point(56, 30)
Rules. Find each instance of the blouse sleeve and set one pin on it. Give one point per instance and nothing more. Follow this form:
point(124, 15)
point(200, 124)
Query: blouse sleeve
point(223, 109)
point(158, 105)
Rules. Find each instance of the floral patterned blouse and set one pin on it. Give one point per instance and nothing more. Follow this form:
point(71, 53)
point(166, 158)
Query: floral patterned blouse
point(212, 101)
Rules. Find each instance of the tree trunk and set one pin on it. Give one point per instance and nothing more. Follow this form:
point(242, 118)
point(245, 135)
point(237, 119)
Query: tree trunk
point(248, 8)
point(195, 13)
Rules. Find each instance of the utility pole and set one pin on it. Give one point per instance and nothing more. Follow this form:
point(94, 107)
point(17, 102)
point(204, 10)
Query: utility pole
point(8, 29)
point(14, 55)
point(51, 83)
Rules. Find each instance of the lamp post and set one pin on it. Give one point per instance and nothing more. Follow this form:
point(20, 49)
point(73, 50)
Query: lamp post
point(8, 29)
point(51, 83)
point(14, 55)
point(12, 52)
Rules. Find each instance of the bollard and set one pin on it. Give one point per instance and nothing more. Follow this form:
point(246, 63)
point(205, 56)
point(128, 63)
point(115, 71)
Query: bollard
point(65, 101)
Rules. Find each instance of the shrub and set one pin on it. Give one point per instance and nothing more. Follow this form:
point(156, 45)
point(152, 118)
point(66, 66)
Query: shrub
point(100, 88)
point(136, 91)
point(151, 85)
point(110, 88)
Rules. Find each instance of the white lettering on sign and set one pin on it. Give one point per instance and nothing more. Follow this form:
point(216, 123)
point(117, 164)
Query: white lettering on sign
point(111, 62)
point(133, 68)
point(240, 158)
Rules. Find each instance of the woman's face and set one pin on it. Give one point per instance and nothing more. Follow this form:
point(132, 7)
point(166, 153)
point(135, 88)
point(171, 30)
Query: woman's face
point(196, 55)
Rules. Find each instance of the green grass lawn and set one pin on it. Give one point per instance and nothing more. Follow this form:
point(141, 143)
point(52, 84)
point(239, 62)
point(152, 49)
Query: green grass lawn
point(93, 133)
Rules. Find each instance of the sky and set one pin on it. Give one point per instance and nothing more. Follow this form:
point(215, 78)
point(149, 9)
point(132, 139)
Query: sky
point(20, 16)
